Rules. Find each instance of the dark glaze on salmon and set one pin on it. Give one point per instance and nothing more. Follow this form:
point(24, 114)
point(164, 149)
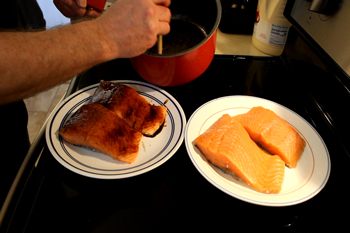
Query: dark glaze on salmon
point(155, 121)
point(131, 107)
point(98, 128)
point(113, 122)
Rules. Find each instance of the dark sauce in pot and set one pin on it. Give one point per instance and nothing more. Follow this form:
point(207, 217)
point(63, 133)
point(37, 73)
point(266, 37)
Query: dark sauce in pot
point(184, 34)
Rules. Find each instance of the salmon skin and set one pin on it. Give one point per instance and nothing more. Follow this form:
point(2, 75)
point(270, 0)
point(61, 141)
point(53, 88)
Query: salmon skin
point(273, 134)
point(131, 107)
point(227, 145)
point(98, 128)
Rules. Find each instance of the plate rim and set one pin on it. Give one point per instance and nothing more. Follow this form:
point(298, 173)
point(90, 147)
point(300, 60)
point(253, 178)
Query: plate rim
point(147, 166)
point(230, 192)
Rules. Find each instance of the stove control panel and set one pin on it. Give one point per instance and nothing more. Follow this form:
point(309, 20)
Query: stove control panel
point(328, 25)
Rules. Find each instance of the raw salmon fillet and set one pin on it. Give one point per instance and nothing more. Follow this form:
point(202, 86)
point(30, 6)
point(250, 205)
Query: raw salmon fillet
point(131, 107)
point(273, 134)
point(98, 128)
point(227, 145)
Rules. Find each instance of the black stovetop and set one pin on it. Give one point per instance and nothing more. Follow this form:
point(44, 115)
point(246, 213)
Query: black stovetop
point(175, 197)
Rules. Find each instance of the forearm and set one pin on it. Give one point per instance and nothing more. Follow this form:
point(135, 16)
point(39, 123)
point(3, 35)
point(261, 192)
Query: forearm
point(34, 61)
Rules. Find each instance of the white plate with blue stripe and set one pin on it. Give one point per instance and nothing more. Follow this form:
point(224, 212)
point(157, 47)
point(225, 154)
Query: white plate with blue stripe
point(300, 183)
point(153, 152)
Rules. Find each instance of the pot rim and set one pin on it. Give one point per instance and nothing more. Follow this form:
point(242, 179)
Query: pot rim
point(218, 18)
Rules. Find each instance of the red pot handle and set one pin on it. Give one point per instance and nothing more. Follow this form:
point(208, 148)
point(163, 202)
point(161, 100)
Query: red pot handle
point(97, 4)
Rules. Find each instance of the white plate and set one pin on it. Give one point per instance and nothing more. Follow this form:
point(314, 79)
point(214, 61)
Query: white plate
point(300, 183)
point(152, 153)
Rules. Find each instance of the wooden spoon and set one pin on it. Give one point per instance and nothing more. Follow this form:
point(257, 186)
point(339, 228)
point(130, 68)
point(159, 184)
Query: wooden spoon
point(160, 44)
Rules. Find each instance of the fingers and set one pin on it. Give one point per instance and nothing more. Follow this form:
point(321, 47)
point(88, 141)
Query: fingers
point(75, 8)
point(92, 13)
point(130, 27)
point(164, 17)
point(164, 14)
point(70, 8)
point(82, 3)
point(165, 3)
point(164, 29)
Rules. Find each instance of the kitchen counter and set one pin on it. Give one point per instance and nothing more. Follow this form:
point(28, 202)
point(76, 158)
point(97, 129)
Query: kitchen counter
point(236, 44)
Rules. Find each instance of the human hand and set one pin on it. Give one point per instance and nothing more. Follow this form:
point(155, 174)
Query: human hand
point(75, 8)
point(130, 27)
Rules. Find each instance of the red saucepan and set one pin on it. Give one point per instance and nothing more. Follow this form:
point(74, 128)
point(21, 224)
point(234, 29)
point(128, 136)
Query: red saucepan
point(188, 49)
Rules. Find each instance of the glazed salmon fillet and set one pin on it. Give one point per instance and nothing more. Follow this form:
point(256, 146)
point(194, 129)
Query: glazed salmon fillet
point(98, 128)
point(227, 145)
point(131, 107)
point(273, 134)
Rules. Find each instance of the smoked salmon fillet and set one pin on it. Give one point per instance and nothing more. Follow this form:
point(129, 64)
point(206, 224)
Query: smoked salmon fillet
point(98, 128)
point(131, 107)
point(273, 134)
point(227, 145)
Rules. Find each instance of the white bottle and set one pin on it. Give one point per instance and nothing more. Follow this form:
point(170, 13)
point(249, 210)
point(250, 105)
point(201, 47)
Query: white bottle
point(271, 27)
